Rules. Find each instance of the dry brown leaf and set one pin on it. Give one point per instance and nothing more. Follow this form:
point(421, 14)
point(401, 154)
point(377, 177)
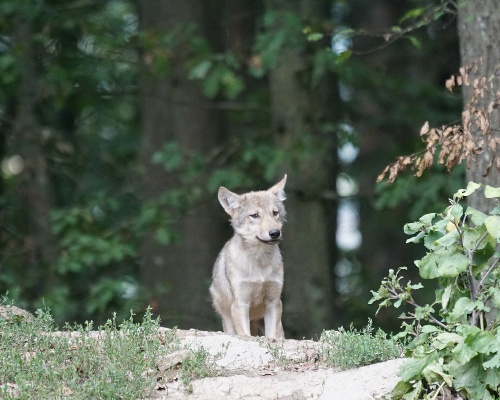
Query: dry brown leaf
point(447, 131)
point(381, 176)
point(450, 83)
point(466, 80)
point(492, 145)
point(460, 142)
point(425, 128)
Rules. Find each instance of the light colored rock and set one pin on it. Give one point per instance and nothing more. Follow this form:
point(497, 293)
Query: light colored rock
point(14, 313)
point(253, 368)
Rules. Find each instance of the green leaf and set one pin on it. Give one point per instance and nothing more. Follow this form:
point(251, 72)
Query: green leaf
point(427, 218)
point(200, 70)
point(491, 192)
point(431, 240)
point(232, 85)
point(493, 362)
point(463, 353)
point(415, 394)
point(452, 265)
point(471, 188)
point(492, 378)
point(416, 239)
point(429, 329)
point(492, 224)
point(344, 56)
point(461, 309)
point(449, 239)
point(412, 227)
point(446, 339)
point(170, 156)
point(211, 85)
point(456, 211)
point(446, 297)
point(435, 373)
point(482, 255)
point(315, 36)
point(401, 389)
point(468, 376)
point(477, 217)
point(470, 238)
point(412, 14)
point(412, 369)
point(415, 41)
point(481, 341)
point(427, 267)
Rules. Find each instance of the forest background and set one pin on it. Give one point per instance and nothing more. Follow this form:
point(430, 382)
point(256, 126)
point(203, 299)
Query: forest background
point(120, 119)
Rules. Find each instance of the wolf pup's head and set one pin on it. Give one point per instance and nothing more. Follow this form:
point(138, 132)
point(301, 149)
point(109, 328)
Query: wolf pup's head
point(256, 216)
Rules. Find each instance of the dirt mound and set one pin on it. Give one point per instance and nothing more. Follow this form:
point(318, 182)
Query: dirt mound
point(257, 368)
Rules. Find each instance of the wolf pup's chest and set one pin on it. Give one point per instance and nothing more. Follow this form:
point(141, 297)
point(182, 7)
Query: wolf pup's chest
point(259, 267)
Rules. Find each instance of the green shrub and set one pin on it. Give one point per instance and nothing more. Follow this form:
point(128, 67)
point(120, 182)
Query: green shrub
point(455, 346)
point(353, 348)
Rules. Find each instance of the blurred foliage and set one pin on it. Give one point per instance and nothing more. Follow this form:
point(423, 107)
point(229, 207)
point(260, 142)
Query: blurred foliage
point(421, 194)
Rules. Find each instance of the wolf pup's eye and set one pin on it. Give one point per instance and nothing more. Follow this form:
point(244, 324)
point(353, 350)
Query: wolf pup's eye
point(275, 213)
point(254, 215)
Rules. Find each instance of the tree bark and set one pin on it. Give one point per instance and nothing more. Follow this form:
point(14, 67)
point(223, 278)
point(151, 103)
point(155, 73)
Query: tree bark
point(174, 109)
point(36, 193)
point(478, 27)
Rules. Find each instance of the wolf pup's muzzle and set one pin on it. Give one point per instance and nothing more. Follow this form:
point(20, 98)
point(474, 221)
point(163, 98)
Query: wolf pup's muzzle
point(274, 234)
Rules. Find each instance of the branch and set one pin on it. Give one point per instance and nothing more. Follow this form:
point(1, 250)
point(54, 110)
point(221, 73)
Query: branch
point(490, 269)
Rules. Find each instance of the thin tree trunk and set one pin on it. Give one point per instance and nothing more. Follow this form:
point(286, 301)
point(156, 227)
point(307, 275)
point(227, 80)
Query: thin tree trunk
point(478, 28)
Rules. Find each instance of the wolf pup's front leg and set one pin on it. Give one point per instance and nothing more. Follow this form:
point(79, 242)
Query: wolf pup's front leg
point(248, 273)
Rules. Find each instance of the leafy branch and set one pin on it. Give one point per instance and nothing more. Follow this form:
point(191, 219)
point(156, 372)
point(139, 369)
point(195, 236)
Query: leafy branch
point(455, 351)
point(460, 141)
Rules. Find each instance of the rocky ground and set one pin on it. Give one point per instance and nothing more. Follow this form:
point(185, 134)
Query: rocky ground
point(256, 368)
point(252, 368)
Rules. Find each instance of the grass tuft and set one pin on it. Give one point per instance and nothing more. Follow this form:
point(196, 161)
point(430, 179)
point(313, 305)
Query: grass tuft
point(356, 348)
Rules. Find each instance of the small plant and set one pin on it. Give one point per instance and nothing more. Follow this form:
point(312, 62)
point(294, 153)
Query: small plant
point(197, 364)
point(455, 346)
point(353, 348)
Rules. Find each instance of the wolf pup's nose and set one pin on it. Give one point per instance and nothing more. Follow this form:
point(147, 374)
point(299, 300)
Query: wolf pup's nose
point(274, 234)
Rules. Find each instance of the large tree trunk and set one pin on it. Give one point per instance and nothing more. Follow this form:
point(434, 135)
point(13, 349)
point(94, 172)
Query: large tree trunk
point(174, 109)
point(478, 27)
point(35, 191)
point(309, 244)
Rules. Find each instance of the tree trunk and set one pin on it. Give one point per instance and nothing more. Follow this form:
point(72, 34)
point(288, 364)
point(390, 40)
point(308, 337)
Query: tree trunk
point(174, 109)
point(309, 241)
point(478, 27)
point(35, 193)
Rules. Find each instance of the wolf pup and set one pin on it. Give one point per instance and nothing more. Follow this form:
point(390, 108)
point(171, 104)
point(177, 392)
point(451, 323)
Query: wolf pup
point(248, 273)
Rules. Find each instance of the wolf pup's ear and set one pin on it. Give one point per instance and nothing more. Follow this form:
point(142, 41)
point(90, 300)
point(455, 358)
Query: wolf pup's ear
point(279, 189)
point(228, 200)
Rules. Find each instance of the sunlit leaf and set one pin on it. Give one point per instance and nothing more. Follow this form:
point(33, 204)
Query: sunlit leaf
point(492, 224)
point(491, 192)
point(471, 188)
